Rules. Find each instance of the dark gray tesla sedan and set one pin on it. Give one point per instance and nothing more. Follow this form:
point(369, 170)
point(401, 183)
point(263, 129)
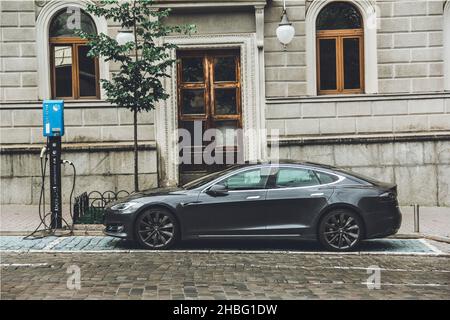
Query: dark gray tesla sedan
point(286, 200)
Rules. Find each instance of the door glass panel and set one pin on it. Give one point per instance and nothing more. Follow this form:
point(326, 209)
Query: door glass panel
point(351, 63)
point(225, 101)
point(226, 133)
point(88, 83)
point(225, 69)
point(248, 180)
point(63, 70)
point(193, 101)
point(192, 69)
point(292, 177)
point(327, 60)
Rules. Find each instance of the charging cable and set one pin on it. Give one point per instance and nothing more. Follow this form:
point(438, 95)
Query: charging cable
point(42, 214)
point(72, 191)
point(47, 230)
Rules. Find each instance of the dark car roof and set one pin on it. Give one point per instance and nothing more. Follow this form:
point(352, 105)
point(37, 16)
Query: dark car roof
point(335, 170)
point(346, 173)
point(289, 161)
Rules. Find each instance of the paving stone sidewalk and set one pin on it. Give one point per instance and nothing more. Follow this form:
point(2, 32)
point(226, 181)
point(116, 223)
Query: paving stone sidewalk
point(103, 243)
point(23, 218)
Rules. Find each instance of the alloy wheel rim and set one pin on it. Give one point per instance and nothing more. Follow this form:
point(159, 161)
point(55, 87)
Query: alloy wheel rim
point(341, 231)
point(156, 229)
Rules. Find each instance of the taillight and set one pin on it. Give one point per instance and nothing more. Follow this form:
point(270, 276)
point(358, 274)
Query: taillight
point(388, 195)
point(394, 190)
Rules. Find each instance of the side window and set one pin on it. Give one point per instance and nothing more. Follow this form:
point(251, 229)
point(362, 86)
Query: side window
point(293, 177)
point(247, 180)
point(326, 178)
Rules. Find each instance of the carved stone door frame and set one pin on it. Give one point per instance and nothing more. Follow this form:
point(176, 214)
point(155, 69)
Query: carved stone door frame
point(166, 113)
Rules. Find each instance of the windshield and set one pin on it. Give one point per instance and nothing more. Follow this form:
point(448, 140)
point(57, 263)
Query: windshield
point(208, 178)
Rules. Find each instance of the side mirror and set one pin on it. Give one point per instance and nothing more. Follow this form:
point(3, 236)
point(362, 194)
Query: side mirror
point(217, 190)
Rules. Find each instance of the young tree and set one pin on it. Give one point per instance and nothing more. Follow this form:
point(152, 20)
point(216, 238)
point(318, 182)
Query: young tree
point(143, 62)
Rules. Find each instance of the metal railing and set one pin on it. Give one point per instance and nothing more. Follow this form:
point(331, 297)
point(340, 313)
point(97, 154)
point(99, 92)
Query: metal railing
point(88, 208)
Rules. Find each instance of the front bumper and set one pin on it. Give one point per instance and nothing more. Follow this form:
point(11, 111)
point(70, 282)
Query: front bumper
point(118, 225)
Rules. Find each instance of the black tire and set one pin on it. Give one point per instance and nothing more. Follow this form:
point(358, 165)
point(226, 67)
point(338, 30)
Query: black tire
point(340, 230)
point(156, 229)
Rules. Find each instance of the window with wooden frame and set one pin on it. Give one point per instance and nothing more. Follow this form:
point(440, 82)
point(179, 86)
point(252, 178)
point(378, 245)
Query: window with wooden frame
point(74, 75)
point(340, 49)
point(209, 92)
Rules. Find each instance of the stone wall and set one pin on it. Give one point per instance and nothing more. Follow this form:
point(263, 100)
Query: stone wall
point(18, 66)
point(215, 21)
point(353, 116)
point(420, 169)
point(109, 167)
point(19, 79)
point(410, 46)
point(410, 62)
point(96, 122)
point(98, 140)
point(285, 69)
point(409, 40)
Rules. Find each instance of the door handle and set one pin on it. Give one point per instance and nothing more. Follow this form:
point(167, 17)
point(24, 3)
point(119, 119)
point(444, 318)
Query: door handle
point(185, 204)
point(316, 194)
point(253, 197)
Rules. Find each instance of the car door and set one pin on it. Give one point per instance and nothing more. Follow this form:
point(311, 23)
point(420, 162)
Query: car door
point(238, 211)
point(294, 197)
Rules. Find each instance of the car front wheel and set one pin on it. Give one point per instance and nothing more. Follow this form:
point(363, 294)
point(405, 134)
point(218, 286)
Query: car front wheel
point(156, 228)
point(340, 230)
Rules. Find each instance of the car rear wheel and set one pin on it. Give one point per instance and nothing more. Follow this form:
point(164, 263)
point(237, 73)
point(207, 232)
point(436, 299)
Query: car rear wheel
point(156, 228)
point(340, 230)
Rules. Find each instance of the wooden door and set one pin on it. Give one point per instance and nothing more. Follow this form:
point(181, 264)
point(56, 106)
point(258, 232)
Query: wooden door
point(209, 97)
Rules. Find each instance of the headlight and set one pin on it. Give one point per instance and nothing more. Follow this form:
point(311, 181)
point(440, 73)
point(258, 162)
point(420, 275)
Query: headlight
point(127, 207)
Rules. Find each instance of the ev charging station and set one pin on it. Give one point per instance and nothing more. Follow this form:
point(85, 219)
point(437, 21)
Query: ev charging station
point(53, 128)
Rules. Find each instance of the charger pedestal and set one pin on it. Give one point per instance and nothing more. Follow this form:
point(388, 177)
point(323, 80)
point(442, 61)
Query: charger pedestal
point(54, 149)
point(53, 129)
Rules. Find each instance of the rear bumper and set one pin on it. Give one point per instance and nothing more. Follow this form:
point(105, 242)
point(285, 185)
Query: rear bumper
point(383, 224)
point(118, 225)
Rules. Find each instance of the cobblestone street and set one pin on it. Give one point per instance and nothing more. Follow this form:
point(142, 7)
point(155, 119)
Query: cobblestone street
point(190, 273)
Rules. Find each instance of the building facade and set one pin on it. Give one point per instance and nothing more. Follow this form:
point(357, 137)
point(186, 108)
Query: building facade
point(363, 85)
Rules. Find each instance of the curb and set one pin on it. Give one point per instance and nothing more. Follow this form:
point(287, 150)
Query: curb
point(219, 251)
point(437, 238)
point(97, 230)
point(421, 235)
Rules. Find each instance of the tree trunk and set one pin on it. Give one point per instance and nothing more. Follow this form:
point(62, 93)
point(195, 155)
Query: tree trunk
point(136, 177)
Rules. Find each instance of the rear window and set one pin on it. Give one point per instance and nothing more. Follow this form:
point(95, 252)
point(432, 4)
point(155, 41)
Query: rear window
point(360, 176)
point(326, 178)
